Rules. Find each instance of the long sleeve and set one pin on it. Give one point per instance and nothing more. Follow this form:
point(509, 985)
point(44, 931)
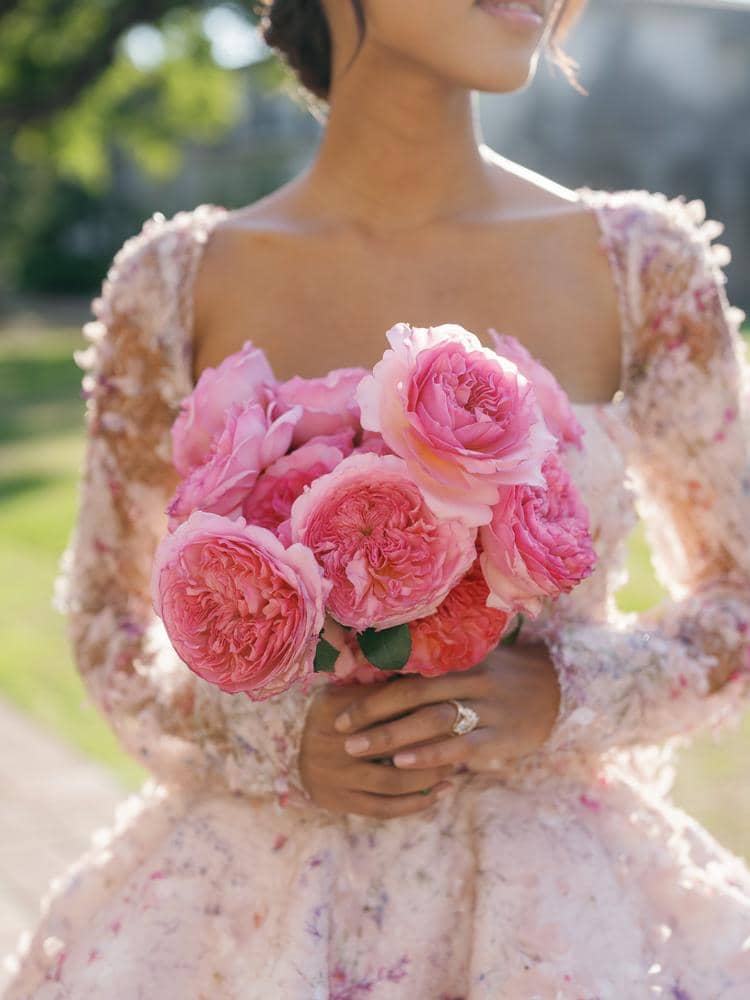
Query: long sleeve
point(645, 679)
point(137, 369)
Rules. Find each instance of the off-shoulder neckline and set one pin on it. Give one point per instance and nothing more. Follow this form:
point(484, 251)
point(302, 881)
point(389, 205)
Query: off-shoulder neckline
point(207, 214)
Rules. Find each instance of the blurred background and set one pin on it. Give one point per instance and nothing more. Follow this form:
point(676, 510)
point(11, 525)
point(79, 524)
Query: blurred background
point(111, 111)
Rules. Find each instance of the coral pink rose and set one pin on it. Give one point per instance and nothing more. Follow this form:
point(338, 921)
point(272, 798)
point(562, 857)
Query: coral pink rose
point(538, 544)
point(242, 612)
point(269, 503)
point(460, 633)
point(388, 557)
point(552, 398)
point(249, 441)
point(328, 403)
point(242, 377)
point(465, 420)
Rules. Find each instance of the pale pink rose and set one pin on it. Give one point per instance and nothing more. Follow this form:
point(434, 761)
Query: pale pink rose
point(242, 377)
point(242, 612)
point(538, 544)
point(328, 403)
point(269, 503)
point(465, 420)
point(552, 398)
point(460, 633)
point(388, 557)
point(249, 441)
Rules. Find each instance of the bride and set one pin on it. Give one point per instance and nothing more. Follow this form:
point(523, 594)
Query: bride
point(354, 842)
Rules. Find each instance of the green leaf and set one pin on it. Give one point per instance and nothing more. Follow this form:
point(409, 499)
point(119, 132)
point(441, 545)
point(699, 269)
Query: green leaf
point(325, 656)
point(510, 638)
point(388, 649)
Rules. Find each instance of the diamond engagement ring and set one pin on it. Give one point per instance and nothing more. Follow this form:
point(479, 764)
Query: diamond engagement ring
point(466, 718)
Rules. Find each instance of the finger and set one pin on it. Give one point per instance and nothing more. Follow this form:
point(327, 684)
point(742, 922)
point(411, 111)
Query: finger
point(390, 806)
point(416, 727)
point(400, 695)
point(454, 750)
point(335, 698)
point(382, 780)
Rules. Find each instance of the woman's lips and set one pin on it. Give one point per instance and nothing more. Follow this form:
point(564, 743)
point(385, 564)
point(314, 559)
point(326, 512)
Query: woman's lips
point(531, 12)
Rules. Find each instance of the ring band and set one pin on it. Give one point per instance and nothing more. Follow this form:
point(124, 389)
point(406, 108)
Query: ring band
point(466, 718)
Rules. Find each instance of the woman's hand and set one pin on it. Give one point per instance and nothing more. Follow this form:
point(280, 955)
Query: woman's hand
point(341, 783)
point(515, 693)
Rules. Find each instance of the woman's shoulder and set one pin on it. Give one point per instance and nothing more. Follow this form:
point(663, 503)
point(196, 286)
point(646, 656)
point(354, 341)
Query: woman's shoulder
point(142, 314)
point(662, 248)
point(158, 258)
point(651, 227)
point(673, 281)
point(160, 229)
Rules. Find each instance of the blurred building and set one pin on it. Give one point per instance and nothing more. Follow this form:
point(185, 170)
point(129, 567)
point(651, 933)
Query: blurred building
point(668, 110)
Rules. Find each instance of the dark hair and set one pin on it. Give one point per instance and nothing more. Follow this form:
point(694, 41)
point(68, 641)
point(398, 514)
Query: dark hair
point(298, 30)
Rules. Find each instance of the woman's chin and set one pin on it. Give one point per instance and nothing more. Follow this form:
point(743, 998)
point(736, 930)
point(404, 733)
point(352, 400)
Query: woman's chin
point(515, 74)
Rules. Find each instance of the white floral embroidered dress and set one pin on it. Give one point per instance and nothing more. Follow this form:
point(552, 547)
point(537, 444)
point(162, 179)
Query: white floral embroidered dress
point(568, 875)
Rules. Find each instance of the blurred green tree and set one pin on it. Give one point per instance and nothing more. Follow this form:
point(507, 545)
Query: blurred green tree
point(85, 82)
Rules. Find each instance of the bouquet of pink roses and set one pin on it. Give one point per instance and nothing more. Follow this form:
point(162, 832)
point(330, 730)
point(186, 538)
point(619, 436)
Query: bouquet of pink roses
point(365, 523)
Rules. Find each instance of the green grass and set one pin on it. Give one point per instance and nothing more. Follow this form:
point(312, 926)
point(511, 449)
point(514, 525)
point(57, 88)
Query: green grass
point(711, 781)
point(41, 449)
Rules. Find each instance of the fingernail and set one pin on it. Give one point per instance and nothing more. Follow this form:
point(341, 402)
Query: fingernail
point(356, 744)
point(404, 759)
point(342, 723)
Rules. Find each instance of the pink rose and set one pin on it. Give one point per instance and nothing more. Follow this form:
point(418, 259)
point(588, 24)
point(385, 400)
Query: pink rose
point(460, 633)
point(552, 398)
point(328, 403)
point(343, 439)
point(242, 612)
point(249, 441)
point(465, 420)
point(269, 503)
point(388, 557)
point(538, 544)
point(372, 443)
point(242, 377)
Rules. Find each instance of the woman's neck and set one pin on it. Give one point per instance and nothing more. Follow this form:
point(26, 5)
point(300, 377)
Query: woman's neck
point(400, 150)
